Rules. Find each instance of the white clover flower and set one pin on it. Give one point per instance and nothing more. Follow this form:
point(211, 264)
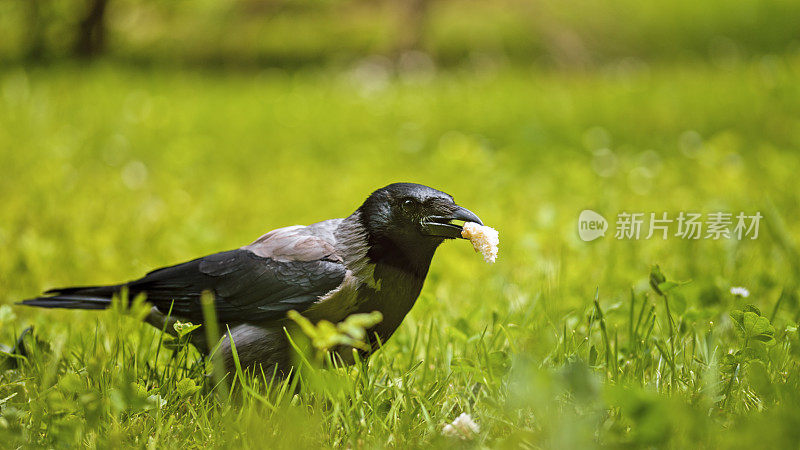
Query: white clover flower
point(463, 427)
point(740, 292)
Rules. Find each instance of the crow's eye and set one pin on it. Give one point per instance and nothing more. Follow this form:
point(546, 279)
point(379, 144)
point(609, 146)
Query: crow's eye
point(408, 203)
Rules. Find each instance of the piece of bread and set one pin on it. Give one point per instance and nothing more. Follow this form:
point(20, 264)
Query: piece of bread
point(484, 239)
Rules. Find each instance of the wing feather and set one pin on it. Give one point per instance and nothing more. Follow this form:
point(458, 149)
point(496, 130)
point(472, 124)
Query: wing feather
point(288, 268)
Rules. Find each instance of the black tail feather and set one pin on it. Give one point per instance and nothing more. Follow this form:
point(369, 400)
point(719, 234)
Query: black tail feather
point(87, 290)
point(83, 297)
point(68, 302)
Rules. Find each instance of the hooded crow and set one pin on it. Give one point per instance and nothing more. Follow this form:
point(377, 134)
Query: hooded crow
point(374, 260)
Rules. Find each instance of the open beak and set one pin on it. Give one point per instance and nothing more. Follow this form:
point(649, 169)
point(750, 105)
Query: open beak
point(442, 225)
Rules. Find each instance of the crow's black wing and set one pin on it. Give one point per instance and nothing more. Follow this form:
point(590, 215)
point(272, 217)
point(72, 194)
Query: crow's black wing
point(285, 269)
point(246, 286)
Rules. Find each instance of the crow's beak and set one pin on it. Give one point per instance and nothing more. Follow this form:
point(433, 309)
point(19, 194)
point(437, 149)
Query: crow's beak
point(442, 226)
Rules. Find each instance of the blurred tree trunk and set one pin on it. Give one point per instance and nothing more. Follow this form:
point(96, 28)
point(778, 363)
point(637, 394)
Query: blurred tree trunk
point(35, 37)
point(91, 37)
point(415, 17)
point(565, 46)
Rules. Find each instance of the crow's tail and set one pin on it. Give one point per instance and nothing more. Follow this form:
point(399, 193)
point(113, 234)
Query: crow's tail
point(83, 297)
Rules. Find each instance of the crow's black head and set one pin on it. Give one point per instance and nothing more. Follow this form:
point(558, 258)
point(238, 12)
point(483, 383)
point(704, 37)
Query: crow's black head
point(405, 222)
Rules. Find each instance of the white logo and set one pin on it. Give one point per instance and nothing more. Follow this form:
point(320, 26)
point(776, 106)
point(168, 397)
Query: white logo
point(591, 225)
point(635, 226)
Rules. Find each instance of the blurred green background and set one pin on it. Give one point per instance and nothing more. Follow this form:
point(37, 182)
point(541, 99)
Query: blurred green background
point(157, 132)
point(290, 33)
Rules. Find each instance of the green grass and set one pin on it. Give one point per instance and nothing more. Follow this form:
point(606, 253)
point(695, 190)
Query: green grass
point(108, 172)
